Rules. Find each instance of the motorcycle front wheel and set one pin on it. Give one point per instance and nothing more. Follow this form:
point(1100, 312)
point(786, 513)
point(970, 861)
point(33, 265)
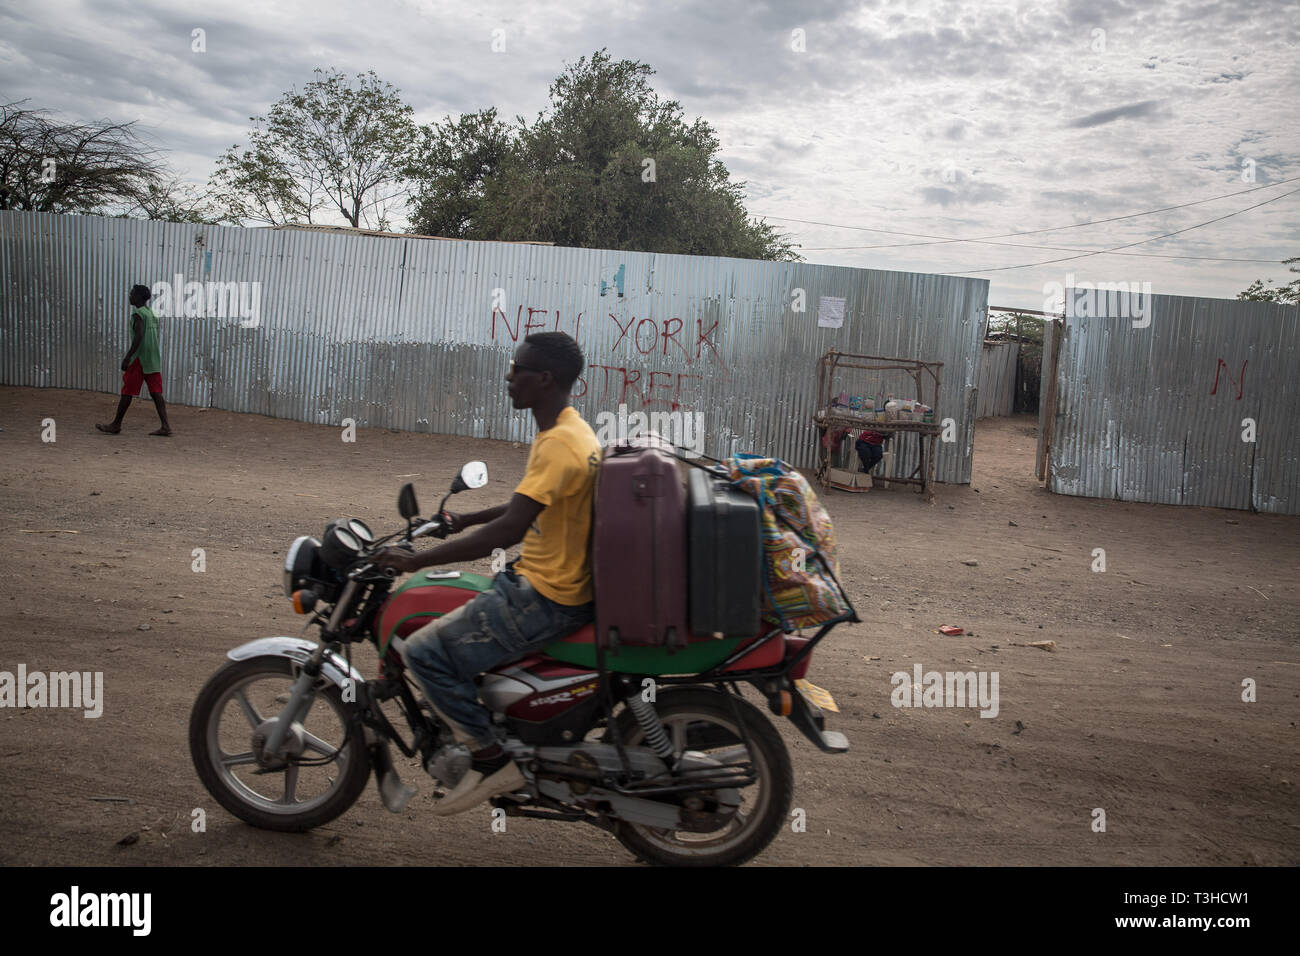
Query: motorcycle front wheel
point(702, 720)
point(321, 770)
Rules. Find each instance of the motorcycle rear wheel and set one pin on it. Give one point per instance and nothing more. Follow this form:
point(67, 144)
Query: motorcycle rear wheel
point(765, 803)
point(258, 689)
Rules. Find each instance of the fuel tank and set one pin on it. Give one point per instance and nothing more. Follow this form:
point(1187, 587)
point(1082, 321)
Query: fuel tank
point(424, 596)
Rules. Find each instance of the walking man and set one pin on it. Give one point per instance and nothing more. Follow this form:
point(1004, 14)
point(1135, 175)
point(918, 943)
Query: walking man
point(142, 364)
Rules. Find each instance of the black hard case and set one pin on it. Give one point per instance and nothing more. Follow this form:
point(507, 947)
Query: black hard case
point(724, 535)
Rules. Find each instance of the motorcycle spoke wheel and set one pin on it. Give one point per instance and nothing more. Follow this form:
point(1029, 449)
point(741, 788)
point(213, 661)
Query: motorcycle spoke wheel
point(702, 722)
point(295, 788)
point(227, 729)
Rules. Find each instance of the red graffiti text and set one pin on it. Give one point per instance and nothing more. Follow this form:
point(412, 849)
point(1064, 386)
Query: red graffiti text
point(612, 385)
point(1239, 382)
point(535, 321)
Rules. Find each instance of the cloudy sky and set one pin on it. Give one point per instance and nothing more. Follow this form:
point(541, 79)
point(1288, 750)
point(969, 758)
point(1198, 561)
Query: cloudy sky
point(871, 132)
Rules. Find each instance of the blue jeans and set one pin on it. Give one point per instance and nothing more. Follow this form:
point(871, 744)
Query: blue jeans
point(509, 620)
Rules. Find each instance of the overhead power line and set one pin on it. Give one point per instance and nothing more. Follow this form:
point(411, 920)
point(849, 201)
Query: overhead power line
point(1127, 245)
point(940, 240)
point(1027, 245)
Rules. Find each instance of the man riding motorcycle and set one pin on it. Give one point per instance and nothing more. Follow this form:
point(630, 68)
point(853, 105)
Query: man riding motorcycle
point(548, 592)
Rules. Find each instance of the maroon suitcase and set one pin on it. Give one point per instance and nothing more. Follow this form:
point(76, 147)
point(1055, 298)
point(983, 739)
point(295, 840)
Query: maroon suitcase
point(638, 550)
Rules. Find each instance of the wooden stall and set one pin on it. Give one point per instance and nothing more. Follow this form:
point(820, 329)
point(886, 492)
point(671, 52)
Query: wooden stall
point(838, 372)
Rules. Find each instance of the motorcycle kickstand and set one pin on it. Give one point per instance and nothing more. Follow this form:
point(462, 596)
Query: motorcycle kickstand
point(395, 794)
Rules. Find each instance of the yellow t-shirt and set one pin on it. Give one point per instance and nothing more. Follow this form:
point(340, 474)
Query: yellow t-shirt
point(561, 476)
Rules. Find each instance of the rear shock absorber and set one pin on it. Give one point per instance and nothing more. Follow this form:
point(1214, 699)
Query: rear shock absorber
point(655, 736)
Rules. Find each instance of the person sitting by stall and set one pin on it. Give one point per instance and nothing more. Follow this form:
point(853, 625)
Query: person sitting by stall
point(871, 448)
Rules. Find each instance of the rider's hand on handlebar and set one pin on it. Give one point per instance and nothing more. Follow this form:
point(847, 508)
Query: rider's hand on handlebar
point(398, 559)
point(451, 523)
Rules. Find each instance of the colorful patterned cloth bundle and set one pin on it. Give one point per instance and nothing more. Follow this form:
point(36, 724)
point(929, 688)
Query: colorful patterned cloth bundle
point(798, 537)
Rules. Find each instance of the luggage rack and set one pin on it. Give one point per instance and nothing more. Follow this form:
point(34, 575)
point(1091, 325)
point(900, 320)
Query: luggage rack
point(829, 416)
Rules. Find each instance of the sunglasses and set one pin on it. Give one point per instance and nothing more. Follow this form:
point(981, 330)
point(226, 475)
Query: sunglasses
point(515, 367)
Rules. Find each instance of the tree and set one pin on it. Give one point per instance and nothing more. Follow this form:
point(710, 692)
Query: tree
point(329, 147)
point(172, 200)
point(450, 166)
point(610, 165)
point(51, 166)
point(1258, 292)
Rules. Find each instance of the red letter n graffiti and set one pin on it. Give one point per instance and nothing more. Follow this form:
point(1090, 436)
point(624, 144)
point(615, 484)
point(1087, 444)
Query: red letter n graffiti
point(1240, 383)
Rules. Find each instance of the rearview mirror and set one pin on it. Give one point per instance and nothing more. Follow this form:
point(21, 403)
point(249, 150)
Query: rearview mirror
point(473, 475)
point(406, 504)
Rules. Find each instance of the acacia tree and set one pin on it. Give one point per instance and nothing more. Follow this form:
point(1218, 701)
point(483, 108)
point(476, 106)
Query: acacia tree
point(331, 146)
point(610, 165)
point(52, 166)
point(1257, 291)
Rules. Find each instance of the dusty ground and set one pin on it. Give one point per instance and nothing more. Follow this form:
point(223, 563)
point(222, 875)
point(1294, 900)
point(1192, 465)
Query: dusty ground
point(1137, 711)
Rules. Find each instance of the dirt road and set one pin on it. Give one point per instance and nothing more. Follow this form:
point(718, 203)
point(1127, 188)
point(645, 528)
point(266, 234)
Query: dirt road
point(1138, 711)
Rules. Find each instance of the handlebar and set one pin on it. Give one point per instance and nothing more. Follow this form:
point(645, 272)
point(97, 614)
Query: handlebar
point(435, 527)
point(365, 569)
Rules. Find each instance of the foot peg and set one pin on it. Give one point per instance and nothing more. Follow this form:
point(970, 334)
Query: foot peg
point(395, 794)
point(834, 742)
point(808, 717)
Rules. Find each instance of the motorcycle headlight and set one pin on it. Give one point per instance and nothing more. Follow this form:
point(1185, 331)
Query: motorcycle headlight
point(302, 563)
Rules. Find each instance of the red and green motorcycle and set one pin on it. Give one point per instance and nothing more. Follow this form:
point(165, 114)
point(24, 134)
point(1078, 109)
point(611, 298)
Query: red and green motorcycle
point(658, 748)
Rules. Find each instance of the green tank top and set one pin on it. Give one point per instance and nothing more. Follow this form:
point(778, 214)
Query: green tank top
point(147, 353)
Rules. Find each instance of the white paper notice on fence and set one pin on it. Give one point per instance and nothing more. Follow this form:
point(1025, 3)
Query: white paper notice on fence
point(830, 312)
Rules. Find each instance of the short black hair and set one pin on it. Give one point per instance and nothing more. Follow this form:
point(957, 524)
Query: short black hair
point(559, 354)
point(141, 290)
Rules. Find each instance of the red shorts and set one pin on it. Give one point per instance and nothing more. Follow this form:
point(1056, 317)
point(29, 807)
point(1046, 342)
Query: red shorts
point(134, 377)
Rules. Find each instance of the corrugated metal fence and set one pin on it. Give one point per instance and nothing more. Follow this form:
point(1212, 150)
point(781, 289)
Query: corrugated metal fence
point(997, 379)
point(1199, 407)
point(416, 334)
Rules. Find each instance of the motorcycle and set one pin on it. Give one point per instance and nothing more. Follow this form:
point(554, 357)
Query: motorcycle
point(657, 747)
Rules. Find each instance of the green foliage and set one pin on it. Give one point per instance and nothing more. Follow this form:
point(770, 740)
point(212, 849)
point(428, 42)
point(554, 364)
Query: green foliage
point(450, 166)
point(610, 165)
point(1257, 291)
point(329, 146)
point(1031, 326)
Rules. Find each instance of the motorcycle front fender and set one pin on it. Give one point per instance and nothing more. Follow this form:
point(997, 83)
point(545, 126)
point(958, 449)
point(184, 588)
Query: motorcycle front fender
point(298, 649)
